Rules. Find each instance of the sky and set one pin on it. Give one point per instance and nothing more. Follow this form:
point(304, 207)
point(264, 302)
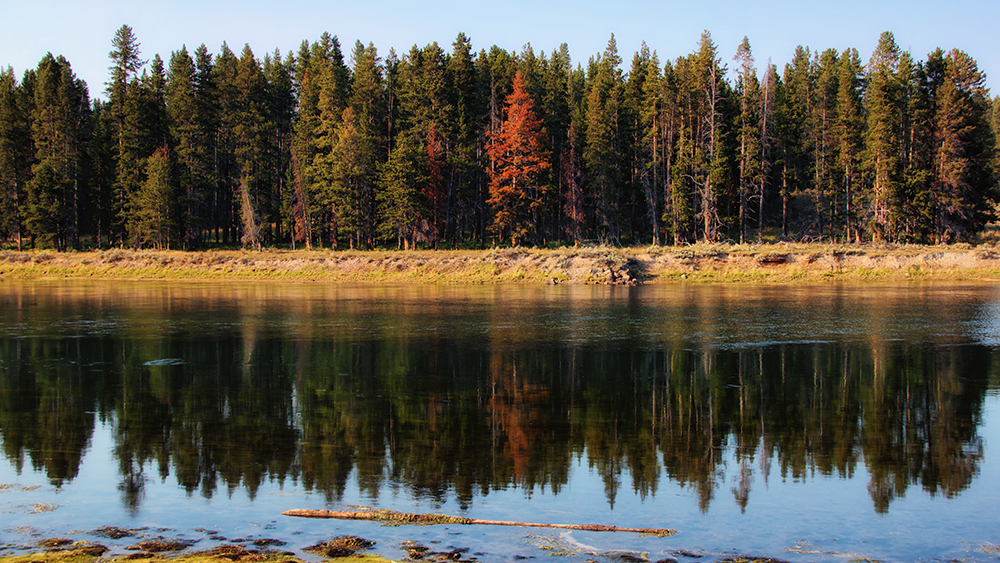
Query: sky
point(82, 31)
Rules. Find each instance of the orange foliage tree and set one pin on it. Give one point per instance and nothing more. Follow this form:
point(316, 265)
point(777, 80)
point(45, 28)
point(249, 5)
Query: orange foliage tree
point(520, 160)
point(435, 186)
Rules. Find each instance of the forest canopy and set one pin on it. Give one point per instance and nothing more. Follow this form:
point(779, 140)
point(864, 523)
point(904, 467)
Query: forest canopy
point(456, 147)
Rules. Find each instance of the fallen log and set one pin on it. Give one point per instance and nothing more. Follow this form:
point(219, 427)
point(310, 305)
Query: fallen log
point(393, 517)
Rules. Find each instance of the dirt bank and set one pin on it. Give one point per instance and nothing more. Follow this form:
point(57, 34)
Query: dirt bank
point(773, 263)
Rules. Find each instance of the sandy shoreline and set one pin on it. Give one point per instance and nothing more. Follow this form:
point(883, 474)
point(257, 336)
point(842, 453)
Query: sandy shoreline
point(772, 263)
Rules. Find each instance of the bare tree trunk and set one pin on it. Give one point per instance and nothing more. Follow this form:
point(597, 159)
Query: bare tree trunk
point(251, 231)
point(406, 518)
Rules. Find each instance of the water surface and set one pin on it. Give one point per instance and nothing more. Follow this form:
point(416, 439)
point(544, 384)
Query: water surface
point(803, 423)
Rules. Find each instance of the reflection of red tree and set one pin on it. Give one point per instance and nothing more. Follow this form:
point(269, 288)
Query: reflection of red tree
point(513, 407)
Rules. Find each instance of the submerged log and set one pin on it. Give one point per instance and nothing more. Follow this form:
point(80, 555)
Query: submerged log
point(392, 517)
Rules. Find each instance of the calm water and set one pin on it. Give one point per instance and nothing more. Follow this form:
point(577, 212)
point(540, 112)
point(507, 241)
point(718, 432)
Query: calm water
point(802, 423)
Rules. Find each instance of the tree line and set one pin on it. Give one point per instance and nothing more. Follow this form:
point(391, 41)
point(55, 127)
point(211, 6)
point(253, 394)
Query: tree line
point(435, 148)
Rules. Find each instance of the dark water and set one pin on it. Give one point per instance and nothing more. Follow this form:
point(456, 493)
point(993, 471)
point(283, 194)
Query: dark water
point(802, 423)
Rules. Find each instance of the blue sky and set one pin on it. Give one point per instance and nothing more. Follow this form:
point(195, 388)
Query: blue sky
point(82, 31)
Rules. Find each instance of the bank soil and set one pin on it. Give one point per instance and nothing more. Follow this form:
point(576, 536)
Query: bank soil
point(571, 265)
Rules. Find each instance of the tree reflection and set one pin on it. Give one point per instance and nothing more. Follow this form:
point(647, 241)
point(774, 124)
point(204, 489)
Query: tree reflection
point(46, 406)
point(442, 415)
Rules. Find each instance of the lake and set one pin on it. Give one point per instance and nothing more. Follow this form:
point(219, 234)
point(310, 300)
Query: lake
point(803, 423)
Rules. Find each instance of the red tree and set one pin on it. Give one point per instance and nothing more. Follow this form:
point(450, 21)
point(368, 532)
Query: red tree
point(520, 160)
point(435, 186)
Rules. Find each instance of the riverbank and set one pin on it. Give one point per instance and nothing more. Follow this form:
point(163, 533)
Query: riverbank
point(718, 263)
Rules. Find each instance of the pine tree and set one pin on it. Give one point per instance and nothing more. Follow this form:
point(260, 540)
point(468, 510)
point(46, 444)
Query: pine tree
point(426, 111)
point(748, 133)
point(279, 138)
point(157, 119)
point(392, 65)
point(60, 121)
point(204, 206)
point(769, 97)
point(850, 127)
point(304, 147)
point(188, 138)
point(145, 130)
point(602, 144)
point(964, 191)
point(15, 155)
point(644, 97)
point(423, 92)
point(883, 139)
point(301, 149)
point(368, 98)
point(127, 63)
point(713, 159)
point(226, 197)
point(794, 135)
point(995, 128)
point(352, 170)
point(298, 203)
point(517, 186)
point(250, 126)
point(368, 87)
point(824, 112)
point(467, 107)
point(45, 209)
point(496, 73)
point(324, 94)
point(124, 109)
point(631, 194)
point(686, 168)
point(154, 201)
point(402, 203)
point(919, 83)
point(671, 126)
point(436, 190)
point(573, 184)
point(101, 184)
point(336, 93)
point(599, 158)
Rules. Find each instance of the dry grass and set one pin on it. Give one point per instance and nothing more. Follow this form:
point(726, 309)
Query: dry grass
point(714, 263)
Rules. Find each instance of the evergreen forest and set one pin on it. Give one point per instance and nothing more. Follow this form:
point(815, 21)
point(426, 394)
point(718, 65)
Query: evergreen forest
point(441, 148)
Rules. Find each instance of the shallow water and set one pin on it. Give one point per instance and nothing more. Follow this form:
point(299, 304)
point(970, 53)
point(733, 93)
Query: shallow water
point(803, 423)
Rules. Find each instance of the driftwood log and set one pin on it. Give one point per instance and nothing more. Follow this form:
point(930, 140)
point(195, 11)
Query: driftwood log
point(392, 517)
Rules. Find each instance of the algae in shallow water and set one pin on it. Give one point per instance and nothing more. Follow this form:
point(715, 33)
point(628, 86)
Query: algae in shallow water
point(342, 546)
point(115, 533)
point(160, 544)
point(16, 488)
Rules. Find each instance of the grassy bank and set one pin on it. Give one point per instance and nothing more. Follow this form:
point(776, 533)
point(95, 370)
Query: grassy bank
point(772, 263)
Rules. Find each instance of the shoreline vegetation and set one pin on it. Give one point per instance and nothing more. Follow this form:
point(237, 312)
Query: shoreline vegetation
point(705, 263)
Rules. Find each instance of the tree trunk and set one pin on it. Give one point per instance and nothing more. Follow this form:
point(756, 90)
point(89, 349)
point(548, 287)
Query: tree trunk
point(406, 518)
